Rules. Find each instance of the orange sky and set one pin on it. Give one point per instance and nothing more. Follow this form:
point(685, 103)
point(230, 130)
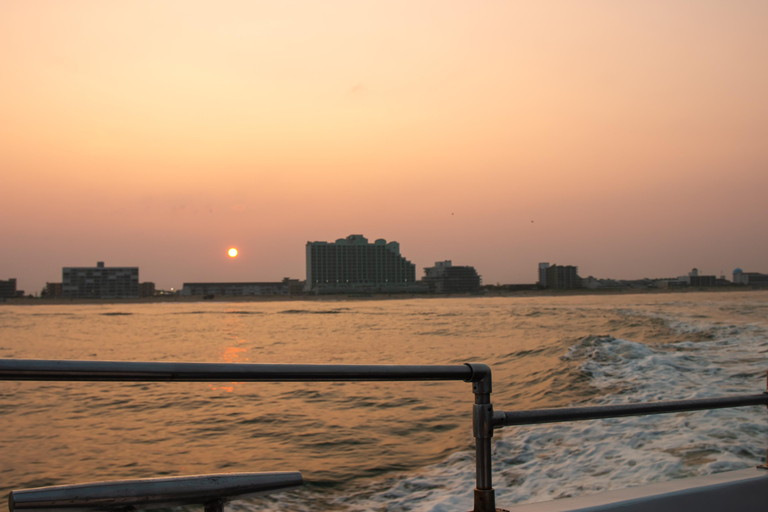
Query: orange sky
point(159, 133)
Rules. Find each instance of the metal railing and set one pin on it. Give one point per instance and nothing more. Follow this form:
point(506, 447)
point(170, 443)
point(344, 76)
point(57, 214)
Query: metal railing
point(118, 371)
point(539, 416)
point(484, 419)
point(211, 491)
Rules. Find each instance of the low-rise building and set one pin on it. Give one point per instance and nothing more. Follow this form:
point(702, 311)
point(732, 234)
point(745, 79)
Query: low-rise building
point(694, 278)
point(749, 278)
point(100, 282)
point(295, 286)
point(284, 287)
point(703, 281)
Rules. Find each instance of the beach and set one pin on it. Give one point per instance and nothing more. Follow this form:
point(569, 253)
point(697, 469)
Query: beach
point(57, 301)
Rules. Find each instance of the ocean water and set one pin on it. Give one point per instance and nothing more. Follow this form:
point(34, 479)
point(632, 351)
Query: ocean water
point(391, 446)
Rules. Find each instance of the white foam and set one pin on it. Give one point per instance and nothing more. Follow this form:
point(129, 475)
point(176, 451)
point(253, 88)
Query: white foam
point(544, 462)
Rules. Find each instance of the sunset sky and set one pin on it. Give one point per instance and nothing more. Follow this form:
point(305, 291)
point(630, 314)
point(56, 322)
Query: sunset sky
point(627, 138)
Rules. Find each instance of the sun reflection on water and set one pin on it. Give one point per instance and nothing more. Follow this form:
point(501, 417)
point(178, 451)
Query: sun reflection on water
point(231, 355)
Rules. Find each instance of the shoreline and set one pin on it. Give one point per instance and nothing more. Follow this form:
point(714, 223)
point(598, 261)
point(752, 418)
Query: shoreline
point(36, 301)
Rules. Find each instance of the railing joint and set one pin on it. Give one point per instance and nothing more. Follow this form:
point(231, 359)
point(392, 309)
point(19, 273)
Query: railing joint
point(482, 420)
point(497, 419)
point(480, 378)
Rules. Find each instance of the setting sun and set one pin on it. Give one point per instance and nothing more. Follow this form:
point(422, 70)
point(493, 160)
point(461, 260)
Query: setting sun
point(232, 252)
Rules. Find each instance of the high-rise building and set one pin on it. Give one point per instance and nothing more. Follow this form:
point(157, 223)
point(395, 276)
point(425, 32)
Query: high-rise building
point(51, 291)
point(352, 265)
point(559, 276)
point(100, 282)
point(543, 274)
point(8, 289)
point(146, 289)
point(445, 278)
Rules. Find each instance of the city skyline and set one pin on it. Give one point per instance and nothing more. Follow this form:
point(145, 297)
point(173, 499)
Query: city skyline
point(626, 139)
point(539, 277)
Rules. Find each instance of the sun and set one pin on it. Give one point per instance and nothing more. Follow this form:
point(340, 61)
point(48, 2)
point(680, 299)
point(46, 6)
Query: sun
point(232, 252)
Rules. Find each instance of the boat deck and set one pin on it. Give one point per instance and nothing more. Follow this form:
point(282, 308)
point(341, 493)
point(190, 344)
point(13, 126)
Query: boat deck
point(745, 490)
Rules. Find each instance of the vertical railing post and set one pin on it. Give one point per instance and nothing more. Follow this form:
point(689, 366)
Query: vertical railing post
point(214, 506)
point(482, 426)
point(765, 465)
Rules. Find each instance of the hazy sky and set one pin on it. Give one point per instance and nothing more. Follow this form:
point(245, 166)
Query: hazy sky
point(627, 138)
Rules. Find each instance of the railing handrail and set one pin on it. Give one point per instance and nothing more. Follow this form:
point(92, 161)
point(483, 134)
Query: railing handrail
point(539, 416)
point(75, 370)
point(131, 371)
point(212, 491)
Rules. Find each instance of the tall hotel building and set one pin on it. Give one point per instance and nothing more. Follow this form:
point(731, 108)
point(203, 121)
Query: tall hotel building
point(352, 265)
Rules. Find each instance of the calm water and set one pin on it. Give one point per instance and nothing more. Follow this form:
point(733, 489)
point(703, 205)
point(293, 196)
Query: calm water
point(400, 446)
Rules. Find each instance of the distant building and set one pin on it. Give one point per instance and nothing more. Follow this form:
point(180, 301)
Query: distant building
point(445, 278)
point(8, 289)
point(703, 281)
point(100, 282)
point(562, 277)
point(676, 282)
point(593, 283)
point(294, 286)
point(352, 265)
point(146, 289)
point(749, 278)
point(239, 289)
point(52, 290)
point(543, 274)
